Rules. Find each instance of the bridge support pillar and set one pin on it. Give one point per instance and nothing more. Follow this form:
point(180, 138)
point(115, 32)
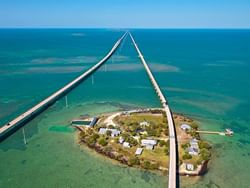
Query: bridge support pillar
point(66, 101)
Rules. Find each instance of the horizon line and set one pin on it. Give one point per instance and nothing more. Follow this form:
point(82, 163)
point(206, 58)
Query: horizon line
point(133, 28)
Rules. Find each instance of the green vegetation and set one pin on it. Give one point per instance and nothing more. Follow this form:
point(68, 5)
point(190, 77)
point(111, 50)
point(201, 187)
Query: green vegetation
point(185, 146)
point(150, 166)
point(134, 161)
point(203, 144)
point(152, 131)
point(157, 124)
point(205, 154)
point(109, 132)
point(90, 140)
point(166, 150)
point(82, 134)
point(154, 166)
point(103, 142)
point(194, 126)
point(95, 136)
point(163, 143)
point(146, 165)
point(116, 139)
point(132, 132)
point(107, 149)
point(194, 134)
point(125, 135)
point(186, 156)
point(111, 127)
point(132, 141)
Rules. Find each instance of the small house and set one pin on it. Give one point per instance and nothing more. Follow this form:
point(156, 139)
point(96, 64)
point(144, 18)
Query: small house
point(126, 145)
point(121, 140)
point(102, 131)
point(145, 142)
point(138, 151)
point(194, 140)
point(193, 151)
point(189, 167)
point(194, 143)
point(114, 132)
point(148, 143)
point(185, 127)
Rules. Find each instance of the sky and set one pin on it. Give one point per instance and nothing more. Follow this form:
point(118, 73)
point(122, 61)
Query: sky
point(125, 13)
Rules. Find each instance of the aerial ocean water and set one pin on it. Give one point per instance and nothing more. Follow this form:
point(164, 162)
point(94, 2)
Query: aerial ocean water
point(203, 73)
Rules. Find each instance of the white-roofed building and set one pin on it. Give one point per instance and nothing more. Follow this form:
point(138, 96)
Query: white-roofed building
point(102, 131)
point(148, 143)
point(138, 151)
point(193, 151)
point(121, 140)
point(185, 127)
point(126, 145)
point(194, 143)
point(114, 132)
point(145, 142)
point(189, 167)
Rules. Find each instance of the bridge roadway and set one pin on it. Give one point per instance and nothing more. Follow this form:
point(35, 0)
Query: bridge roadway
point(172, 136)
point(29, 114)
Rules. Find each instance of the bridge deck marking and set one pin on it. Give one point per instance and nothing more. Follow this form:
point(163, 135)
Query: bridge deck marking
point(172, 147)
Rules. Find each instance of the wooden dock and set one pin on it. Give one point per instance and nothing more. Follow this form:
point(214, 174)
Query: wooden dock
point(228, 132)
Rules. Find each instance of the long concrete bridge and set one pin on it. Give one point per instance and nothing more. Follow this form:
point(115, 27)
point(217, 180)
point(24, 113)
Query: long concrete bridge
point(7, 129)
point(172, 136)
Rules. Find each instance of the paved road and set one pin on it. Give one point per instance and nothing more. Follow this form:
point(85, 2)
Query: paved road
point(172, 136)
point(52, 98)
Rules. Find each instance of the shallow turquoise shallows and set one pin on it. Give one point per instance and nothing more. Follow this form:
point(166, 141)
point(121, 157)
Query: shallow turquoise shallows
point(203, 73)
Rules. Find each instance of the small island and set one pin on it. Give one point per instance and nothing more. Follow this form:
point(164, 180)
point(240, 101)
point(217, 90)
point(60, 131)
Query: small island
point(139, 138)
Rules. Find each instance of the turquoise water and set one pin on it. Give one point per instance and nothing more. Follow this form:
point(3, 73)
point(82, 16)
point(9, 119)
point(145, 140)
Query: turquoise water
point(204, 74)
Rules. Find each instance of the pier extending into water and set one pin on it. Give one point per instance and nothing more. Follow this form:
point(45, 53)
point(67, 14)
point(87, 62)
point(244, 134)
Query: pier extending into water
point(13, 125)
point(228, 132)
point(172, 136)
point(10, 127)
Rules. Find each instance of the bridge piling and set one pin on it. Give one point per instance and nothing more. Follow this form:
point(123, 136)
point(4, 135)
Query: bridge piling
point(172, 180)
point(22, 119)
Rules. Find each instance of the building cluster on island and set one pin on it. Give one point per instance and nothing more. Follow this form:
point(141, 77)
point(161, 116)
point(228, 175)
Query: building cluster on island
point(133, 142)
point(113, 132)
point(193, 148)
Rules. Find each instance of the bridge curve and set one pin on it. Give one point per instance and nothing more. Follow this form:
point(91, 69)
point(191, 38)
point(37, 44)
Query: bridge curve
point(5, 130)
point(172, 137)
